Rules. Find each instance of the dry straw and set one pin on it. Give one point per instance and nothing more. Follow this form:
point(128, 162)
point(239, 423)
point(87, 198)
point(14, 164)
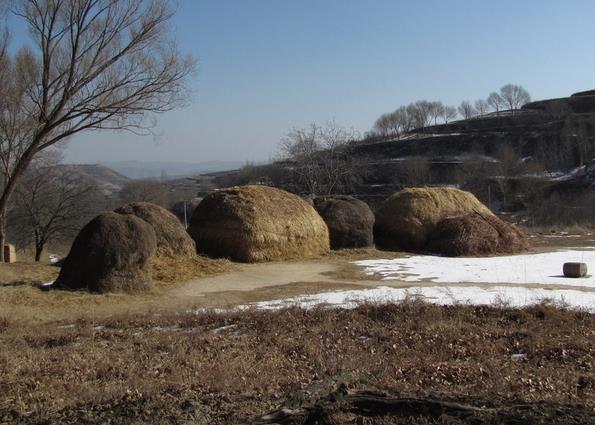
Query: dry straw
point(476, 234)
point(406, 219)
point(258, 223)
point(172, 238)
point(110, 254)
point(349, 220)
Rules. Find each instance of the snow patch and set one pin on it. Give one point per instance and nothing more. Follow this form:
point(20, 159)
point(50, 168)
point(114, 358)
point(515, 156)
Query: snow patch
point(543, 268)
point(508, 296)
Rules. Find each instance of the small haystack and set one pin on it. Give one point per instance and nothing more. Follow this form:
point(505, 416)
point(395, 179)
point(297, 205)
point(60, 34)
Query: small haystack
point(407, 218)
point(257, 223)
point(110, 254)
point(172, 239)
point(350, 221)
point(475, 234)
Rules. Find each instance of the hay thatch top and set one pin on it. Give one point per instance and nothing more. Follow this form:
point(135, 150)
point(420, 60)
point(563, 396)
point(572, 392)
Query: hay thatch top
point(172, 239)
point(258, 223)
point(409, 215)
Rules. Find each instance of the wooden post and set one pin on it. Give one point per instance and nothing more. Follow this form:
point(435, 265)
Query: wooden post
point(10, 255)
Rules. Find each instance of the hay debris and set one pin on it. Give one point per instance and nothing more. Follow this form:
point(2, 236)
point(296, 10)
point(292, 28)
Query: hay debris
point(110, 254)
point(172, 238)
point(258, 223)
point(169, 271)
point(407, 218)
point(350, 221)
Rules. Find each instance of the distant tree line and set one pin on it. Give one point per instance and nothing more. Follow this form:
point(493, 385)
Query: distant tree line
point(421, 114)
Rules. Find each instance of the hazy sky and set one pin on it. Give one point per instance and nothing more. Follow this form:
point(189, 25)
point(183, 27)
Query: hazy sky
point(266, 66)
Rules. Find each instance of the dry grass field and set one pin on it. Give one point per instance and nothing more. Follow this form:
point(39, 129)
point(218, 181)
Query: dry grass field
point(531, 366)
point(75, 357)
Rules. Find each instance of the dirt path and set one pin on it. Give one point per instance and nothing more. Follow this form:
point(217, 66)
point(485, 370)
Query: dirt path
point(246, 284)
point(251, 283)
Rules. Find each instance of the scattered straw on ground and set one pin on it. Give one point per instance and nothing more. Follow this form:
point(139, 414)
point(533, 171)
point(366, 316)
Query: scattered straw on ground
point(168, 271)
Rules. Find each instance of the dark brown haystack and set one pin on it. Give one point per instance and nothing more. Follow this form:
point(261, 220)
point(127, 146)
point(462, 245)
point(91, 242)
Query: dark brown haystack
point(350, 221)
point(407, 218)
point(110, 254)
point(257, 223)
point(172, 238)
point(476, 234)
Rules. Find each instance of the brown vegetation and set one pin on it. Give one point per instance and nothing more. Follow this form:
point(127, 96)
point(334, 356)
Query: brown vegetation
point(232, 368)
point(408, 217)
point(475, 234)
point(172, 238)
point(111, 253)
point(257, 223)
point(26, 273)
point(350, 221)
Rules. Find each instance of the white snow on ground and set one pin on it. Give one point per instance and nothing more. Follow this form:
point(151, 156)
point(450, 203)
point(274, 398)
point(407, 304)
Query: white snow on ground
point(544, 268)
point(509, 296)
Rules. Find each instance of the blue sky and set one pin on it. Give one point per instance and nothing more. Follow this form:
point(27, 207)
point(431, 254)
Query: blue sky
point(266, 66)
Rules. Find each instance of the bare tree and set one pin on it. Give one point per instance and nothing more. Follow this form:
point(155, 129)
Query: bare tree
point(514, 96)
point(383, 124)
point(389, 124)
point(52, 204)
point(420, 112)
point(482, 107)
point(145, 190)
point(95, 64)
point(404, 118)
point(496, 102)
point(320, 158)
point(449, 113)
point(466, 110)
point(435, 111)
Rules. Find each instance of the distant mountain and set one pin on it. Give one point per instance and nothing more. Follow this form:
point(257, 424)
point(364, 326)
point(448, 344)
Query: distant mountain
point(169, 170)
point(108, 180)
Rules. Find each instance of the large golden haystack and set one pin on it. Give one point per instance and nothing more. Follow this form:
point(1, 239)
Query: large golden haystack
point(407, 218)
point(257, 223)
point(172, 238)
point(110, 254)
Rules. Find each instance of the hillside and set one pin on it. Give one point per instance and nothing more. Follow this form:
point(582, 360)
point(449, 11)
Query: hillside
point(168, 170)
point(108, 180)
point(505, 158)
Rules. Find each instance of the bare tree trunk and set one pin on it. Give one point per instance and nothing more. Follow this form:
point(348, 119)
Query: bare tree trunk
point(38, 252)
point(8, 190)
point(2, 232)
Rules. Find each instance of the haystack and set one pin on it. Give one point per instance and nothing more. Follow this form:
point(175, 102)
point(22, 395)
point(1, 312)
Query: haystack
point(475, 234)
point(407, 218)
point(172, 239)
point(350, 221)
point(257, 223)
point(110, 254)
